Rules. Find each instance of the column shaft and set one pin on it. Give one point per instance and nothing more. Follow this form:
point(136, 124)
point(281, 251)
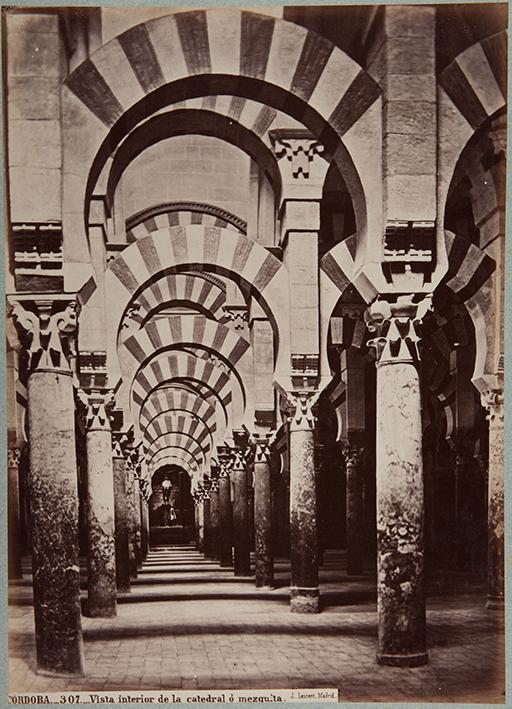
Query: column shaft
point(242, 557)
point(54, 516)
point(263, 524)
point(101, 560)
point(355, 513)
point(14, 526)
point(226, 552)
point(215, 524)
point(121, 524)
point(401, 599)
point(496, 520)
point(207, 531)
point(304, 590)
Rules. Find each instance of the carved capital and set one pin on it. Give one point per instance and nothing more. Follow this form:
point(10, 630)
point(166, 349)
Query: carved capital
point(353, 456)
point(13, 457)
point(96, 406)
point(494, 401)
point(237, 315)
point(262, 443)
point(396, 325)
point(46, 328)
point(301, 409)
point(299, 150)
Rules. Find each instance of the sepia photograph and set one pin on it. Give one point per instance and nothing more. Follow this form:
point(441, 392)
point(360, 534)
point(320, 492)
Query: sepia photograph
point(254, 363)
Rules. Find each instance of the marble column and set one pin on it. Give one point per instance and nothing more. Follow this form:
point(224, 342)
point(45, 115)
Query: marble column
point(400, 507)
point(101, 558)
point(215, 517)
point(120, 515)
point(263, 543)
point(226, 550)
point(46, 326)
point(304, 589)
point(207, 530)
point(494, 402)
point(144, 515)
point(137, 521)
point(354, 508)
point(241, 537)
point(14, 525)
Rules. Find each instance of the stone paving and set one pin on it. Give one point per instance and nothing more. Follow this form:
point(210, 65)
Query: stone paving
point(187, 624)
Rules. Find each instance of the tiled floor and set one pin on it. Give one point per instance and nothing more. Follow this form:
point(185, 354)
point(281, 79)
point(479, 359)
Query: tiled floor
point(187, 624)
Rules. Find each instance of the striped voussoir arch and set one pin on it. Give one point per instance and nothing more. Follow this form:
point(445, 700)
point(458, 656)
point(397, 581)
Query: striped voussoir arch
point(167, 214)
point(182, 287)
point(183, 331)
point(468, 267)
point(174, 455)
point(338, 266)
point(226, 43)
point(336, 396)
point(178, 440)
point(179, 423)
point(185, 248)
point(476, 80)
point(174, 460)
point(180, 367)
point(177, 451)
point(169, 400)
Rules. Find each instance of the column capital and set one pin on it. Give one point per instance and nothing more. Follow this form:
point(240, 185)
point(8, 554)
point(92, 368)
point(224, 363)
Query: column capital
point(46, 325)
point(300, 409)
point(353, 455)
point(13, 457)
point(493, 401)
point(262, 443)
point(396, 325)
point(96, 405)
point(301, 151)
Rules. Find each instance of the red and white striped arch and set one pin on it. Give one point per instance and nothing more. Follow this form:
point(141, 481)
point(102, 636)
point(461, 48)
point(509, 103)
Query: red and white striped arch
point(179, 367)
point(162, 402)
point(207, 52)
point(179, 421)
point(472, 88)
point(183, 288)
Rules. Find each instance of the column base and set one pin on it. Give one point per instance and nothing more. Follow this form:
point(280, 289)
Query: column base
point(304, 600)
point(63, 675)
point(415, 660)
point(101, 612)
point(495, 603)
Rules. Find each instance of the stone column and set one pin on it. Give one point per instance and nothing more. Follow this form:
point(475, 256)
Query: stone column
point(354, 505)
point(101, 559)
point(120, 515)
point(215, 514)
point(304, 590)
point(14, 528)
point(241, 539)
point(144, 515)
point(207, 530)
point(400, 510)
point(263, 512)
point(226, 550)
point(494, 403)
point(46, 325)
